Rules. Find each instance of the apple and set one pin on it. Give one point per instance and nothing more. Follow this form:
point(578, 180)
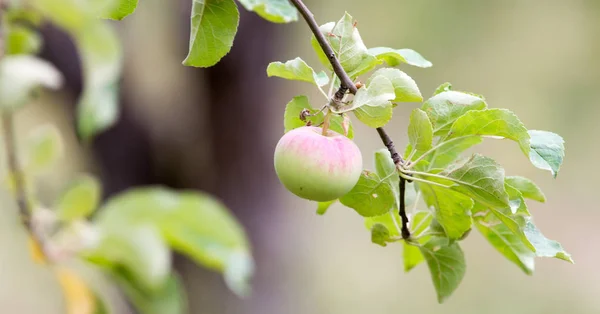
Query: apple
point(317, 167)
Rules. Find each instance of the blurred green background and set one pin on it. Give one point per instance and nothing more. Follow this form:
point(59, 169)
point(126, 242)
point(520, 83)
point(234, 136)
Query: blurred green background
point(536, 58)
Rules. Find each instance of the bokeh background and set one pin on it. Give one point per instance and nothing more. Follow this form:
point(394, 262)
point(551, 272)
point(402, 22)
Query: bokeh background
point(215, 130)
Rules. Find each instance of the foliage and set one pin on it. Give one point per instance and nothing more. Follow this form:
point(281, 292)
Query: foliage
point(133, 234)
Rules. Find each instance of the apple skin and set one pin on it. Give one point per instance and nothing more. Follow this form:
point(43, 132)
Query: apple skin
point(317, 167)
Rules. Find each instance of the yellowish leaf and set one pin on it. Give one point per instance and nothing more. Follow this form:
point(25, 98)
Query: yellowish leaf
point(78, 297)
point(37, 254)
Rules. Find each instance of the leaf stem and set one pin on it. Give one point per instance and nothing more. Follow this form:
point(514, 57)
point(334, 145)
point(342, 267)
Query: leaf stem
point(346, 84)
point(402, 175)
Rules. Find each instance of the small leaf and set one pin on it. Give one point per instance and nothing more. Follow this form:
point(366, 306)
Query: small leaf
point(516, 201)
point(420, 132)
point(21, 75)
point(543, 246)
point(447, 267)
point(405, 87)
point(298, 70)
point(505, 241)
point(294, 109)
point(322, 207)
point(390, 220)
point(22, 40)
point(214, 24)
point(529, 189)
point(44, 148)
point(276, 11)
point(139, 249)
point(394, 57)
point(451, 209)
point(495, 122)
point(370, 196)
point(482, 179)
point(547, 150)
point(445, 87)
point(347, 45)
point(385, 168)
point(120, 9)
point(374, 117)
point(412, 256)
point(444, 108)
point(78, 297)
point(80, 199)
point(379, 234)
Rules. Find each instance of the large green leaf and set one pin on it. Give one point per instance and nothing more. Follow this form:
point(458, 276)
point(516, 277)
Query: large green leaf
point(214, 24)
point(21, 75)
point(294, 108)
point(191, 222)
point(374, 117)
point(494, 122)
point(543, 246)
point(394, 57)
point(371, 196)
point(547, 150)
point(482, 179)
point(119, 9)
point(444, 108)
point(529, 189)
point(277, 11)
point(348, 46)
point(505, 241)
point(298, 70)
point(80, 199)
point(515, 223)
point(405, 87)
point(420, 132)
point(446, 265)
point(378, 93)
point(452, 209)
point(449, 151)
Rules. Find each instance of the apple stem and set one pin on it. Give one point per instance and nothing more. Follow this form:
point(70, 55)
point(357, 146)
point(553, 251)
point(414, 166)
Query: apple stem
point(326, 122)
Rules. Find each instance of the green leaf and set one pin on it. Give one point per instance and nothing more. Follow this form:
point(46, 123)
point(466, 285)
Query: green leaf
point(298, 70)
point(169, 298)
point(44, 148)
point(412, 256)
point(494, 122)
point(139, 249)
point(379, 234)
point(543, 246)
point(347, 45)
point(405, 87)
point(394, 57)
point(214, 24)
point(547, 150)
point(505, 241)
point(192, 223)
point(515, 223)
point(374, 117)
point(390, 220)
point(22, 40)
point(445, 87)
point(444, 108)
point(294, 109)
point(449, 151)
point(420, 132)
point(80, 199)
point(322, 207)
point(378, 93)
point(21, 75)
point(482, 179)
point(385, 168)
point(371, 196)
point(516, 201)
point(277, 11)
point(120, 9)
point(446, 265)
point(451, 209)
point(101, 56)
point(529, 189)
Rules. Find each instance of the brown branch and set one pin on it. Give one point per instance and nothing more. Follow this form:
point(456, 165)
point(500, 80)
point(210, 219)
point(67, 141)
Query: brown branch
point(346, 84)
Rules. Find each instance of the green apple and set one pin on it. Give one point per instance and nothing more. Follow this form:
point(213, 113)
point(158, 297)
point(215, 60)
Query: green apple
point(317, 167)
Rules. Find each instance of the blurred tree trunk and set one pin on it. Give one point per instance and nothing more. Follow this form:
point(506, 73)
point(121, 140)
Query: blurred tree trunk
point(241, 146)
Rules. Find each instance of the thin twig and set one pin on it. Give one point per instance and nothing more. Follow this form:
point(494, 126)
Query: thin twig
point(347, 85)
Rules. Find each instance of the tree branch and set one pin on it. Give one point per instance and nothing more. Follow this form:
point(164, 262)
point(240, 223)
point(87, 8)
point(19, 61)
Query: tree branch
point(346, 84)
